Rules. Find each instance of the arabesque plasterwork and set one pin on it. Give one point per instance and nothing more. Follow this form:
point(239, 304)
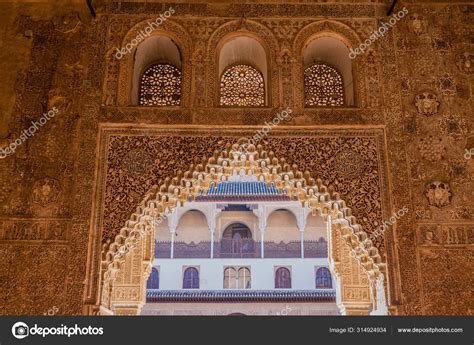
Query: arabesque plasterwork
point(410, 128)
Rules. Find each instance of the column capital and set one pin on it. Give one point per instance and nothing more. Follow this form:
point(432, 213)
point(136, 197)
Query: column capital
point(301, 217)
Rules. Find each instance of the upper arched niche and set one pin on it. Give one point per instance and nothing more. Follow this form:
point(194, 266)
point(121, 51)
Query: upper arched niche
point(282, 226)
point(243, 72)
point(158, 50)
point(328, 56)
point(192, 227)
point(315, 228)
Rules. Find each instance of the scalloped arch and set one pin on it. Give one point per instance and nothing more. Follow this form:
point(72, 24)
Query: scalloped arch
point(339, 31)
point(138, 232)
point(170, 29)
point(244, 27)
point(325, 27)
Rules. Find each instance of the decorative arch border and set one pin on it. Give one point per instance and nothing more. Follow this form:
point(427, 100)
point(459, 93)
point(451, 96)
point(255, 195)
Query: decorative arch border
point(127, 262)
point(282, 208)
point(327, 28)
point(175, 32)
point(182, 214)
point(237, 28)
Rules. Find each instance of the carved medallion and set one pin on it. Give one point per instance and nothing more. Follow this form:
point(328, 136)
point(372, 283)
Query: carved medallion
point(46, 191)
point(427, 103)
point(438, 194)
point(417, 24)
point(465, 62)
point(432, 148)
point(447, 85)
point(453, 126)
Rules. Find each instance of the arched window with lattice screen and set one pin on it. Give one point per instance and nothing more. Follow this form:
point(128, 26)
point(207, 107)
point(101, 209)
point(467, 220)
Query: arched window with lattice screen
point(191, 278)
point(160, 85)
point(282, 278)
point(230, 278)
point(242, 86)
point(323, 278)
point(323, 86)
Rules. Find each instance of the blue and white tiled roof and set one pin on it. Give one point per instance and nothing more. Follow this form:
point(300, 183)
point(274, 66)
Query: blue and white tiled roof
point(322, 295)
point(243, 191)
point(243, 188)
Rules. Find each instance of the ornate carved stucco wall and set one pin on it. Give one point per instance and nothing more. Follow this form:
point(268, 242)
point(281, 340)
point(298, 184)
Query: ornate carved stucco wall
point(68, 190)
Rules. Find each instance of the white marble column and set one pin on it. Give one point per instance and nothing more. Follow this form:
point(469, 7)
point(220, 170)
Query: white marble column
point(329, 235)
point(302, 243)
point(173, 225)
point(302, 215)
point(173, 234)
point(262, 213)
point(212, 242)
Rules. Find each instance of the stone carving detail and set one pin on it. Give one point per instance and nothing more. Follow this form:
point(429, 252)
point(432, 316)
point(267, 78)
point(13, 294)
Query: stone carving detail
point(431, 148)
point(368, 266)
point(350, 164)
point(445, 234)
point(417, 24)
point(441, 267)
point(427, 103)
point(75, 63)
point(337, 160)
point(36, 231)
point(67, 24)
point(46, 191)
point(287, 90)
point(453, 126)
point(438, 194)
point(462, 212)
point(447, 85)
point(465, 62)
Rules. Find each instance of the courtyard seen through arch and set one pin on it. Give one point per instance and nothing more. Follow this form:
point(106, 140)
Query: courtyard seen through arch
point(260, 158)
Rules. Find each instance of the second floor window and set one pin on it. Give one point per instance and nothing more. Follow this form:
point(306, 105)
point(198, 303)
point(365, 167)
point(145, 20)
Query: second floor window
point(323, 278)
point(323, 86)
point(242, 86)
point(282, 278)
point(191, 278)
point(237, 278)
point(160, 86)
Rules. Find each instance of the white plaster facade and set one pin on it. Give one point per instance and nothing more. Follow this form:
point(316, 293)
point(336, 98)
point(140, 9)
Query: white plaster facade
point(279, 222)
point(211, 272)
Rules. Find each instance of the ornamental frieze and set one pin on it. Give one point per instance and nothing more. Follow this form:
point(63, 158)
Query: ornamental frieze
point(350, 160)
point(445, 234)
point(36, 230)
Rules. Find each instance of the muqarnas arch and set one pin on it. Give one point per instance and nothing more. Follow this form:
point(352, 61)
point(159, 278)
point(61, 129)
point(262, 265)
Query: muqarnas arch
point(358, 269)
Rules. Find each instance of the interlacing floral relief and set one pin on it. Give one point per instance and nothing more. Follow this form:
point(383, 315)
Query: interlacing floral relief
point(158, 158)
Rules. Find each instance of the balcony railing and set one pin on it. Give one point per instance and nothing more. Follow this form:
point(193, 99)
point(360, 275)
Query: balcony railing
point(244, 248)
